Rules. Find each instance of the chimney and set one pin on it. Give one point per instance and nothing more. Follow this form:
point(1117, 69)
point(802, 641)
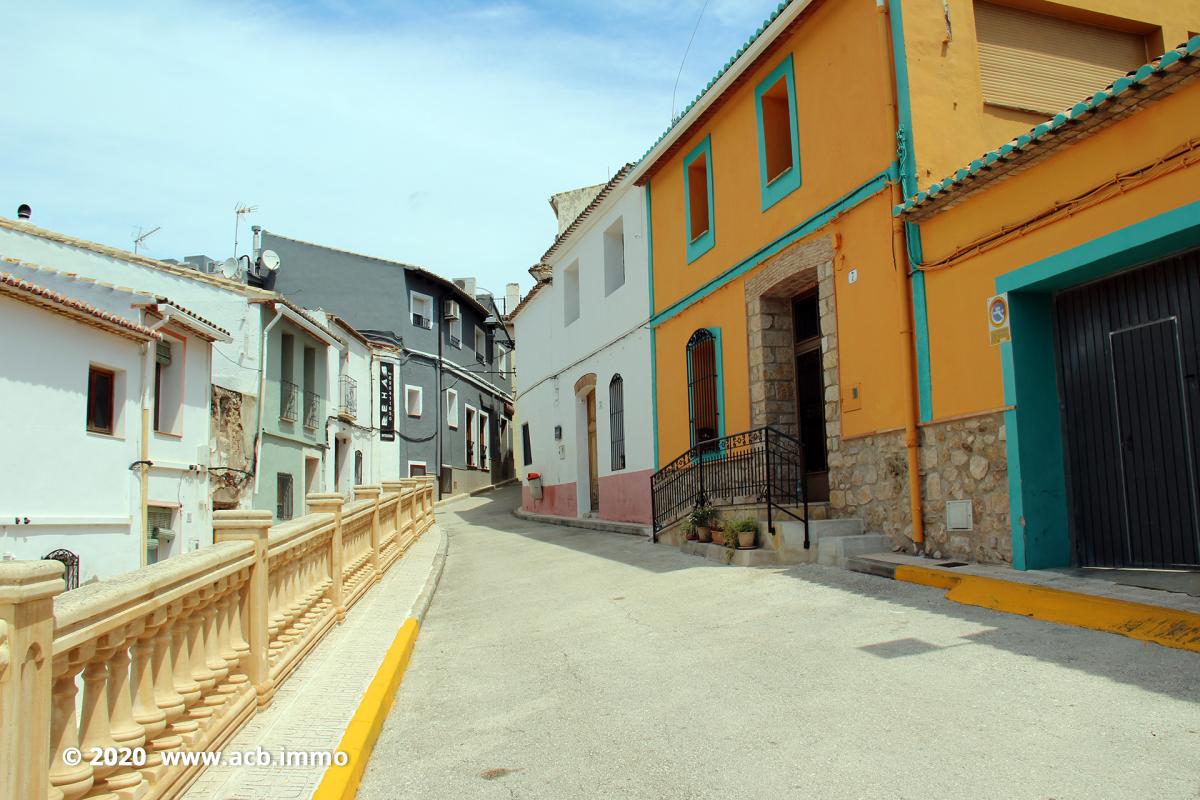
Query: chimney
point(24, 211)
point(512, 297)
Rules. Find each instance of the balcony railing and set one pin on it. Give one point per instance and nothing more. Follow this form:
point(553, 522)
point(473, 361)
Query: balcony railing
point(455, 341)
point(481, 358)
point(422, 322)
point(347, 397)
point(289, 395)
point(312, 410)
point(179, 656)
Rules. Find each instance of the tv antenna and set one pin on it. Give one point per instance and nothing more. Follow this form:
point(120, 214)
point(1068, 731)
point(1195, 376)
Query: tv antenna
point(139, 238)
point(240, 211)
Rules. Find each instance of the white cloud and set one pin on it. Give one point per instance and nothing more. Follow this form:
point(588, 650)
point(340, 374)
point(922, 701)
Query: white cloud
point(434, 139)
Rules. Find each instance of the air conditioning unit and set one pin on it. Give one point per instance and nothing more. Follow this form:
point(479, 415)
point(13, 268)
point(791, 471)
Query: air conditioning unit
point(452, 310)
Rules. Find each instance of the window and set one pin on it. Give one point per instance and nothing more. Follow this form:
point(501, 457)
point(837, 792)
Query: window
point(456, 332)
point(289, 392)
point(283, 495)
point(452, 408)
point(358, 468)
point(778, 137)
point(421, 306)
point(697, 185)
point(485, 439)
point(704, 386)
point(616, 421)
point(160, 532)
point(470, 429)
point(101, 400)
point(413, 396)
point(1041, 64)
point(571, 293)
point(614, 257)
point(168, 386)
point(480, 346)
point(502, 359)
point(417, 468)
point(526, 447)
point(387, 401)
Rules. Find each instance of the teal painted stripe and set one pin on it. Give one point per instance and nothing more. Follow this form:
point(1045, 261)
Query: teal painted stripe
point(912, 234)
point(653, 344)
point(872, 187)
point(1149, 240)
point(906, 156)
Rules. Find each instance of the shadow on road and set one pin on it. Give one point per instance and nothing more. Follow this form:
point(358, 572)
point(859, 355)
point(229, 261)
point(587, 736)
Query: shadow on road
point(1099, 654)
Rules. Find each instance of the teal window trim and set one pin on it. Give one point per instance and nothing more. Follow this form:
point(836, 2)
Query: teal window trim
point(719, 358)
point(774, 190)
point(701, 244)
point(1036, 468)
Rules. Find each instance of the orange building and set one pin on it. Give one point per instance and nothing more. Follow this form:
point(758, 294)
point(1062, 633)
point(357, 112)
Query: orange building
point(785, 294)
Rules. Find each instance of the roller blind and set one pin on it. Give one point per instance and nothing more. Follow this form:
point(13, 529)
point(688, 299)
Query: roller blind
point(1038, 63)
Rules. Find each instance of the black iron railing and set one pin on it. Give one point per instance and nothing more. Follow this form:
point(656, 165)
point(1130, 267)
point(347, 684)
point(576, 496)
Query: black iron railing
point(312, 410)
point(288, 394)
point(760, 467)
point(347, 397)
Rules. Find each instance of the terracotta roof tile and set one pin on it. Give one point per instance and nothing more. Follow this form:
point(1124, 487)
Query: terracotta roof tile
point(86, 313)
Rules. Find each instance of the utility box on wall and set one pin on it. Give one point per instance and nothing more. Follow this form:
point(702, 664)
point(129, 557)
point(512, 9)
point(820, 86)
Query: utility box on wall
point(535, 485)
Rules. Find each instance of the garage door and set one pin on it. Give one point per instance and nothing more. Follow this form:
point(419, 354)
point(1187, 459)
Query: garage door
point(1128, 350)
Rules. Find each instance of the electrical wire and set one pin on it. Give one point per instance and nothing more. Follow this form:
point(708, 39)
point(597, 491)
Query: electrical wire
point(675, 90)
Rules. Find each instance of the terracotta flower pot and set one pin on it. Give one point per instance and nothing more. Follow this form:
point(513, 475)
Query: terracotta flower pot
point(745, 540)
point(718, 537)
point(705, 534)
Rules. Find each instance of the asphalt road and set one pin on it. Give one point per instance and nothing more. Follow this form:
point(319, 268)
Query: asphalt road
point(562, 663)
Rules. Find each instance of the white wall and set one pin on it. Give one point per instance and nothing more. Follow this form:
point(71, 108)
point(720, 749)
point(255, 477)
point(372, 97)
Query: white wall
point(610, 336)
point(177, 478)
point(236, 364)
point(74, 486)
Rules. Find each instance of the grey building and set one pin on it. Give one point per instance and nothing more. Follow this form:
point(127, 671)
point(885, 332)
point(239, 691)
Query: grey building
point(452, 391)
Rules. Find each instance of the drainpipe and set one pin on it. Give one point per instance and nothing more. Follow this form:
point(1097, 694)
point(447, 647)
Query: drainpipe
point(262, 393)
point(144, 482)
point(892, 25)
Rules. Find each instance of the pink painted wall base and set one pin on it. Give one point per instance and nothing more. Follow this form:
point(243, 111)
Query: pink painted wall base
point(557, 501)
point(625, 497)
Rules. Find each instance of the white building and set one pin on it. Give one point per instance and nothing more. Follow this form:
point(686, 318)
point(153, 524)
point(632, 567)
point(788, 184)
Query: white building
point(360, 453)
point(106, 431)
point(584, 392)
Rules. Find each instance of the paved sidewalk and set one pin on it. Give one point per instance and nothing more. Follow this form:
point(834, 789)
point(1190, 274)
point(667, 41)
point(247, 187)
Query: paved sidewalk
point(313, 706)
point(560, 663)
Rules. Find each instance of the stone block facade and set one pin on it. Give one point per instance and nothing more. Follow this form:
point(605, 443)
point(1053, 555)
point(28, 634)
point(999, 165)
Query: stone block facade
point(962, 459)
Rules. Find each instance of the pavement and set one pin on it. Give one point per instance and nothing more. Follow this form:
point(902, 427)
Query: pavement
point(311, 709)
point(564, 663)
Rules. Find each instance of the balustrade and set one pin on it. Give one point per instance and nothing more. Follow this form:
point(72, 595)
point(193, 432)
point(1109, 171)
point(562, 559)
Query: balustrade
point(180, 654)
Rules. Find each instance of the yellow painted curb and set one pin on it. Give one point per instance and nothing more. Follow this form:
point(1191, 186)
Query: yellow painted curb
point(1164, 626)
point(341, 783)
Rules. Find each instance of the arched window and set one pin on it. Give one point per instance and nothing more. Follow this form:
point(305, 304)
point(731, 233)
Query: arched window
point(616, 421)
point(704, 386)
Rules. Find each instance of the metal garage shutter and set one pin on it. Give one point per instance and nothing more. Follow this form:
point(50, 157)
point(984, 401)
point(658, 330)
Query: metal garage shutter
point(1037, 63)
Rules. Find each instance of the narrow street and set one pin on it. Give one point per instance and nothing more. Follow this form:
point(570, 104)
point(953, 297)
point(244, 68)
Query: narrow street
point(561, 663)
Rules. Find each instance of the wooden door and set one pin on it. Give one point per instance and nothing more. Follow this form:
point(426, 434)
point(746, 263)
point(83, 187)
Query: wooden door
point(593, 468)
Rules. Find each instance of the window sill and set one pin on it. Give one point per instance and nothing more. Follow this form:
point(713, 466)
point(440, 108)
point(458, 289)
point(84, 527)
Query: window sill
point(168, 435)
point(106, 435)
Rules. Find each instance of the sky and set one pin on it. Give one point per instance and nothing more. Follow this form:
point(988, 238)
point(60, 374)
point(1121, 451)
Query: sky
point(429, 133)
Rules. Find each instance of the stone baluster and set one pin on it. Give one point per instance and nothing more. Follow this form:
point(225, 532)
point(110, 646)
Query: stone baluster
point(236, 603)
point(174, 690)
point(123, 731)
point(145, 707)
point(69, 781)
point(95, 728)
point(252, 526)
point(27, 681)
point(396, 488)
point(329, 503)
point(372, 493)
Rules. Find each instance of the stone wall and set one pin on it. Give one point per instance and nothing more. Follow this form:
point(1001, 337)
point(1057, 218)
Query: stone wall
point(868, 480)
point(966, 460)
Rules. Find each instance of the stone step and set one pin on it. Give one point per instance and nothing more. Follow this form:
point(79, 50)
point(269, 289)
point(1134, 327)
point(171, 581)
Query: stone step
point(790, 537)
point(758, 557)
point(870, 564)
point(835, 551)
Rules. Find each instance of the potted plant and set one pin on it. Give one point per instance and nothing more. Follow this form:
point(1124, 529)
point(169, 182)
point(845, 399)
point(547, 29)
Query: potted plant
point(741, 533)
point(701, 519)
point(689, 530)
point(718, 529)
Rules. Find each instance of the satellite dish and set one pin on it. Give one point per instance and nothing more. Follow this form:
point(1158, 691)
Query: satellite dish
point(230, 268)
point(269, 259)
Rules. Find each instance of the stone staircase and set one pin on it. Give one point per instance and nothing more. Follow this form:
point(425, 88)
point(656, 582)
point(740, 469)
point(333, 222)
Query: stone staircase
point(833, 542)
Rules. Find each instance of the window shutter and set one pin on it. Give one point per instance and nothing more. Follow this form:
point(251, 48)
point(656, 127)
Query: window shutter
point(1033, 62)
